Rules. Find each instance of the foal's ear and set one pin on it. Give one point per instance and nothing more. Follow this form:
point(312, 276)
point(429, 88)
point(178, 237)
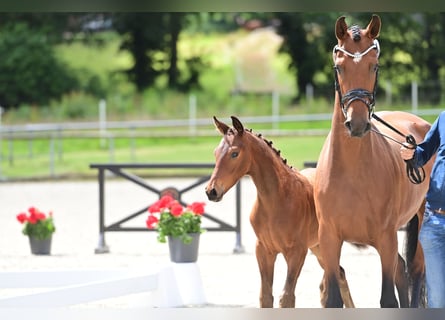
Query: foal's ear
point(222, 127)
point(237, 125)
point(373, 28)
point(341, 28)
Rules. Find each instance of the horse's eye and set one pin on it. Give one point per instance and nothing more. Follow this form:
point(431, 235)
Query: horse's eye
point(234, 154)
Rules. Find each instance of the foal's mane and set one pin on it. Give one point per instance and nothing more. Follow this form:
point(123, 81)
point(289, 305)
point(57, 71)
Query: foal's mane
point(269, 143)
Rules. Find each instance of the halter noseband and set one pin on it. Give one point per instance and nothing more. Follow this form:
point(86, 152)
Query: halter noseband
point(363, 95)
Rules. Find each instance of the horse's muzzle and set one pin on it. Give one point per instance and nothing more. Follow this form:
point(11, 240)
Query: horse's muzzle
point(357, 131)
point(212, 195)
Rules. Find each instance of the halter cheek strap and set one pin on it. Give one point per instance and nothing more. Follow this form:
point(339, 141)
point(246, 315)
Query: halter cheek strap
point(363, 95)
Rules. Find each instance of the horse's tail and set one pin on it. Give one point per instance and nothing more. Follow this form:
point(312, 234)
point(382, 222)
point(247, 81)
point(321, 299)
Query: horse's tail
point(415, 261)
point(412, 237)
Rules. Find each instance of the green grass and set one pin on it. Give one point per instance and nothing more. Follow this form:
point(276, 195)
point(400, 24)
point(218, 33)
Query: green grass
point(76, 155)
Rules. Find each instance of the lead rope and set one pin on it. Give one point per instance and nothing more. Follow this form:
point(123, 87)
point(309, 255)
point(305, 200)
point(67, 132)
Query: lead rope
point(415, 175)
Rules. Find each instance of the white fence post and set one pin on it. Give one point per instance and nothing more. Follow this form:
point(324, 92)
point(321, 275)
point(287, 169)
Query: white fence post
point(1, 147)
point(388, 93)
point(309, 93)
point(192, 115)
point(414, 97)
point(275, 110)
point(102, 121)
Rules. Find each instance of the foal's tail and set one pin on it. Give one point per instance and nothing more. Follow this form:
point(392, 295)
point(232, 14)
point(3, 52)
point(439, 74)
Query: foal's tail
point(415, 260)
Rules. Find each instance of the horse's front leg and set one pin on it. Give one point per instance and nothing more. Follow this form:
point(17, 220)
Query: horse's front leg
point(387, 250)
point(295, 260)
point(266, 264)
point(330, 250)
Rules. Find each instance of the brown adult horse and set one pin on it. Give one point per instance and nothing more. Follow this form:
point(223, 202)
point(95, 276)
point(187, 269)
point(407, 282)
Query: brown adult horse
point(283, 215)
point(361, 190)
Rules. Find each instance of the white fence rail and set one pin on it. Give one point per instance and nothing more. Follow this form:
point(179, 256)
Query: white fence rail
point(109, 131)
point(175, 285)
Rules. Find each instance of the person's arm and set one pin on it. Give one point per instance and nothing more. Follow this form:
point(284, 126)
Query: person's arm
point(427, 148)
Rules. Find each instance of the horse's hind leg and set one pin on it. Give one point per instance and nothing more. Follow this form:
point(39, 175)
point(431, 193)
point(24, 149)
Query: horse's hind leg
point(266, 264)
point(344, 290)
point(416, 274)
point(344, 287)
point(415, 259)
point(295, 260)
point(402, 284)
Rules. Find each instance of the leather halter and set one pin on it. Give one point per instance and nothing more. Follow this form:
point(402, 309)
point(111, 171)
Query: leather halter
point(415, 175)
point(363, 95)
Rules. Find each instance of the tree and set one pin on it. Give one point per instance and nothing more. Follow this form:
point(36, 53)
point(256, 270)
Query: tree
point(433, 42)
point(29, 70)
point(306, 43)
point(144, 35)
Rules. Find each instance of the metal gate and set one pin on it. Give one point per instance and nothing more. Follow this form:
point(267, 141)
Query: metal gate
point(119, 170)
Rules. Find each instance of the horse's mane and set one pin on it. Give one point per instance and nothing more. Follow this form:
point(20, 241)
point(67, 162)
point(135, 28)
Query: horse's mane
point(269, 143)
point(355, 29)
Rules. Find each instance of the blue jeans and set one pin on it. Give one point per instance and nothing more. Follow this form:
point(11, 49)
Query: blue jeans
point(432, 239)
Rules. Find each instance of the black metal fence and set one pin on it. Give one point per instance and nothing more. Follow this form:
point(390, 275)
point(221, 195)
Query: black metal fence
point(121, 170)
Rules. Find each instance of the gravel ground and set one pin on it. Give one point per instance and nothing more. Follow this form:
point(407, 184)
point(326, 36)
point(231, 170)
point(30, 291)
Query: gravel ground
point(228, 279)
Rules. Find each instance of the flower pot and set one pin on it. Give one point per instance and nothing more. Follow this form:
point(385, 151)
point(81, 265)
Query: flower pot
point(181, 252)
point(40, 247)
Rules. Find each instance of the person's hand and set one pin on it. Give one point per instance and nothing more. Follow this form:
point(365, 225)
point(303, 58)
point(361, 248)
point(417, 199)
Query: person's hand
point(407, 151)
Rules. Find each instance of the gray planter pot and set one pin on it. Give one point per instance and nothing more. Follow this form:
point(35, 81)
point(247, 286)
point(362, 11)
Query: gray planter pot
point(181, 252)
point(40, 247)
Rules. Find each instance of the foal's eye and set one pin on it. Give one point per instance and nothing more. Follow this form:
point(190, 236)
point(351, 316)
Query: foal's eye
point(234, 154)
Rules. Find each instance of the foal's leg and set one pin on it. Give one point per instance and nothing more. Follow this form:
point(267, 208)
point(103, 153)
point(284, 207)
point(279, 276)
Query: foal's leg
point(266, 264)
point(295, 260)
point(387, 250)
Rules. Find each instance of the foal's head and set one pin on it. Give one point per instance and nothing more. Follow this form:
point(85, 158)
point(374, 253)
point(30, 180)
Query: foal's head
point(356, 66)
point(232, 159)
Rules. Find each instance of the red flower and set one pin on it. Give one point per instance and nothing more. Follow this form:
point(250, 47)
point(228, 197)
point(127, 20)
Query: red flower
point(176, 209)
point(154, 208)
point(166, 201)
point(197, 207)
point(32, 219)
point(151, 221)
point(22, 217)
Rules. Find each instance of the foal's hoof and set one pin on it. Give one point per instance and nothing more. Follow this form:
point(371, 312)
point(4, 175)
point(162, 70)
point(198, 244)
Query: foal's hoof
point(287, 301)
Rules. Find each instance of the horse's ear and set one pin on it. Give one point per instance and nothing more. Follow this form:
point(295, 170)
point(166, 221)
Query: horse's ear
point(222, 127)
point(373, 28)
point(341, 28)
point(237, 125)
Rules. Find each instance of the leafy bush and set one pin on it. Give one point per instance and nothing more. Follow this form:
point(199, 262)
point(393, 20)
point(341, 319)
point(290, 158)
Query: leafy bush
point(29, 71)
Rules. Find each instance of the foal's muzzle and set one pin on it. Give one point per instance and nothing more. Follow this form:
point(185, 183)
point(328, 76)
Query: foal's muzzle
point(212, 195)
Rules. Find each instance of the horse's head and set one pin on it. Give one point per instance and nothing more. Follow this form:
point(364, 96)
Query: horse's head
point(356, 68)
point(232, 160)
